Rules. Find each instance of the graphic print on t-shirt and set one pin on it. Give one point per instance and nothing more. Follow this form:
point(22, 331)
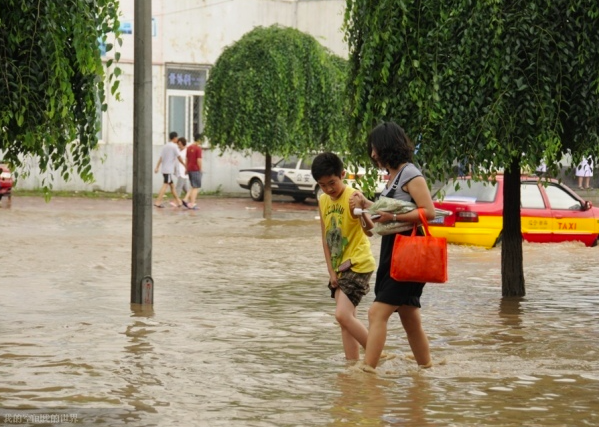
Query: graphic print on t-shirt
point(335, 239)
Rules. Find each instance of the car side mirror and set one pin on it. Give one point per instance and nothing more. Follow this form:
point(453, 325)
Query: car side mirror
point(587, 205)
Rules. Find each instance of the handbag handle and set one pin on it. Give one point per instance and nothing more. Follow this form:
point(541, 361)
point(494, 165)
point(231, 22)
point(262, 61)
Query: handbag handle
point(423, 221)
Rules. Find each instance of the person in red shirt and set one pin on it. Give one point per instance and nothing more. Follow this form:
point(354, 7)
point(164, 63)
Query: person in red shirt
point(194, 170)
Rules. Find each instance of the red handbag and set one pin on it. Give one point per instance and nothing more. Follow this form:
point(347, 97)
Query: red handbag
point(419, 258)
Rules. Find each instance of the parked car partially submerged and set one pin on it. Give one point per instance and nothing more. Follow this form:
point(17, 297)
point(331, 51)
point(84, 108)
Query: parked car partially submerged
point(293, 177)
point(6, 181)
point(550, 212)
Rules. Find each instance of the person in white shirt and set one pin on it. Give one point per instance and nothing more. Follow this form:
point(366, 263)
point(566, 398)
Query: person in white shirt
point(584, 172)
point(180, 172)
point(168, 160)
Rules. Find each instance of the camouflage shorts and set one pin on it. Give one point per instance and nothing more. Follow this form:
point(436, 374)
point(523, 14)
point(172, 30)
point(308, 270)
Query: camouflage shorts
point(354, 285)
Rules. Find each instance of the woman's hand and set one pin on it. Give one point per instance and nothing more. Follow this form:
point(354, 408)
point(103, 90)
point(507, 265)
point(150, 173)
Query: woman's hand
point(384, 217)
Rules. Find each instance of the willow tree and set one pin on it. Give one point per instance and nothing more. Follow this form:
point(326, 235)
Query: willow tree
point(485, 80)
point(276, 91)
point(52, 81)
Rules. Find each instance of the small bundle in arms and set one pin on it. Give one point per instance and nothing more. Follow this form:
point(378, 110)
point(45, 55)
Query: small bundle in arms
point(388, 204)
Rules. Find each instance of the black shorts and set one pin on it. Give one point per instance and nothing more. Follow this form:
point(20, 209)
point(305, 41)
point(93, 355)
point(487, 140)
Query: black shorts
point(167, 178)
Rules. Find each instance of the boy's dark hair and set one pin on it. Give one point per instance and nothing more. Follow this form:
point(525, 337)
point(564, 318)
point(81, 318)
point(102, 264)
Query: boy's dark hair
point(326, 164)
point(198, 136)
point(183, 141)
point(172, 135)
point(391, 143)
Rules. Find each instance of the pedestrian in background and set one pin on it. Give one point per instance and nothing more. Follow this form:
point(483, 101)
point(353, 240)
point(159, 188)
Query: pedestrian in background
point(194, 170)
point(584, 172)
point(167, 164)
point(181, 170)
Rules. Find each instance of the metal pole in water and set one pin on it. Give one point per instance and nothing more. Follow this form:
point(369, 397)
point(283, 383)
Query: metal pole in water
point(142, 285)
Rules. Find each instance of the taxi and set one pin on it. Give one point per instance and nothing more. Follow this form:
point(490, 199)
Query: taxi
point(550, 212)
point(6, 181)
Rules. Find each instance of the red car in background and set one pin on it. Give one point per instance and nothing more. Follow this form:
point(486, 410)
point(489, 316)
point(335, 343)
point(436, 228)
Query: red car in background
point(5, 181)
point(550, 212)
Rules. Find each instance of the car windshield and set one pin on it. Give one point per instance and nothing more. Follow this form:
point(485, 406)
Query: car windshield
point(467, 191)
point(289, 163)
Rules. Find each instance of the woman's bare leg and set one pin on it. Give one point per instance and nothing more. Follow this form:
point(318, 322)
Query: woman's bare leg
point(378, 315)
point(410, 319)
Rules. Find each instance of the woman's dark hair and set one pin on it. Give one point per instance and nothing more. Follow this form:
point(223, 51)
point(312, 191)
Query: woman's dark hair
point(183, 141)
point(391, 144)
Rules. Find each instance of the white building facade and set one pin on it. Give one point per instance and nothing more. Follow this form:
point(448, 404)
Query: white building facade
point(188, 36)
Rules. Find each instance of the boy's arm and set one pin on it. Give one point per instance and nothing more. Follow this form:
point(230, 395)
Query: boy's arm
point(158, 164)
point(327, 252)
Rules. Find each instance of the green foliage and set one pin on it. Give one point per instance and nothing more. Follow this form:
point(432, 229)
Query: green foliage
point(277, 91)
point(497, 83)
point(484, 80)
point(52, 80)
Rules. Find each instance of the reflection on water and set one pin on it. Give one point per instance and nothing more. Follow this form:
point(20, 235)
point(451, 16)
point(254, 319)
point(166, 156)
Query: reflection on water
point(242, 332)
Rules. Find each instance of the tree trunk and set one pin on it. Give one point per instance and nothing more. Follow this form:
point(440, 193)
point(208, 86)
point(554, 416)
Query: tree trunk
point(267, 214)
point(512, 271)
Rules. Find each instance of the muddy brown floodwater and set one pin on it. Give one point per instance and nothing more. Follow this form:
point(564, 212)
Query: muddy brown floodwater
point(242, 331)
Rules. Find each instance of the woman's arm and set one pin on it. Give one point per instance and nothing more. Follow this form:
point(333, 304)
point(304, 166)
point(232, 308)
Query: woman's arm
point(422, 198)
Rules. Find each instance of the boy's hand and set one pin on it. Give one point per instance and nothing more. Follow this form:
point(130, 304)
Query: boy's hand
point(333, 280)
point(356, 200)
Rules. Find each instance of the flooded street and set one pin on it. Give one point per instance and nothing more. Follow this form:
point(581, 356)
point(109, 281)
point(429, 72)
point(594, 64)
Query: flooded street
point(242, 331)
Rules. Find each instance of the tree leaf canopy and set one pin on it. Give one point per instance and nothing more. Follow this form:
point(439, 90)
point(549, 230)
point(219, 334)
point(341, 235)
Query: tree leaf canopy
point(487, 79)
point(52, 80)
point(276, 91)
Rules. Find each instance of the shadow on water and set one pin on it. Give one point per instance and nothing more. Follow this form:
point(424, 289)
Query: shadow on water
point(242, 332)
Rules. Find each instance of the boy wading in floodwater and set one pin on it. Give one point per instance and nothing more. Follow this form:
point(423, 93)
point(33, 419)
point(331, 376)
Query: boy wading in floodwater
point(346, 250)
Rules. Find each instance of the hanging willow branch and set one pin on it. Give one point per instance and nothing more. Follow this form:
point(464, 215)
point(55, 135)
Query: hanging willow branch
point(52, 81)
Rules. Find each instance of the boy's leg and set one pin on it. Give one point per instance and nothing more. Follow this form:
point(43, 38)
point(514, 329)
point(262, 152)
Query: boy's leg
point(187, 189)
point(192, 198)
point(161, 194)
point(179, 187)
point(174, 191)
point(353, 332)
point(378, 316)
point(195, 181)
point(410, 319)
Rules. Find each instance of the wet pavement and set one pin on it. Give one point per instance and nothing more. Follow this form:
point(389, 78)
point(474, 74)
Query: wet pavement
point(242, 332)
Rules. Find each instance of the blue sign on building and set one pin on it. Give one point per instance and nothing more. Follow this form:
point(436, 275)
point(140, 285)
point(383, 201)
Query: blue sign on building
point(185, 79)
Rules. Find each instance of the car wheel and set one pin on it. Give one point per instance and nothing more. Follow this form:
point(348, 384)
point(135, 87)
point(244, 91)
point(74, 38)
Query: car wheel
point(499, 239)
point(299, 199)
point(318, 192)
point(257, 190)
point(595, 243)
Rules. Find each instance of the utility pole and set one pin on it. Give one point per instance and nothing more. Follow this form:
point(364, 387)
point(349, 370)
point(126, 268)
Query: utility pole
point(142, 284)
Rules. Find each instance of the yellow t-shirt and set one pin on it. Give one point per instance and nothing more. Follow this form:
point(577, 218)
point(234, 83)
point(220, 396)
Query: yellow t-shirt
point(344, 235)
